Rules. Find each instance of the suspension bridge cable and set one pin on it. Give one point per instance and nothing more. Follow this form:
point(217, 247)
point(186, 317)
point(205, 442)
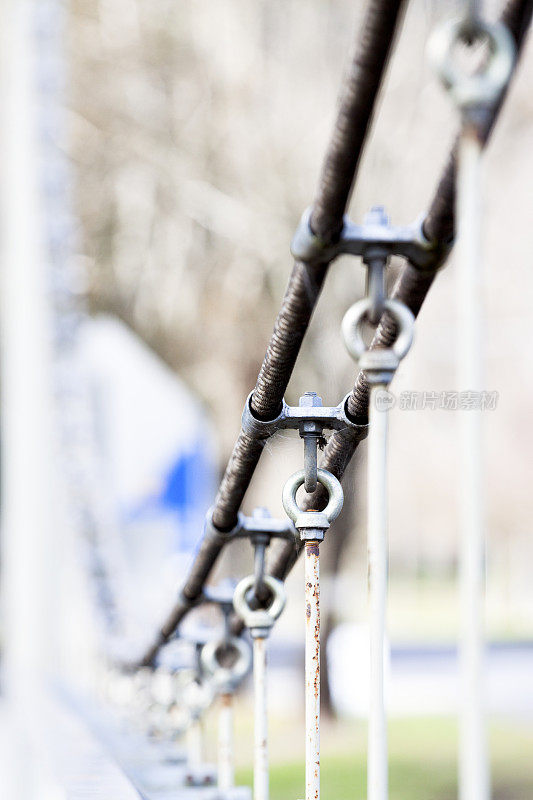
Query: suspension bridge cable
point(411, 289)
point(359, 96)
point(358, 99)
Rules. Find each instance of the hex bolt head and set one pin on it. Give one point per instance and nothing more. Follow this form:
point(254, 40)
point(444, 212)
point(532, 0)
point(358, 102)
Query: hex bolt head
point(310, 400)
point(377, 216)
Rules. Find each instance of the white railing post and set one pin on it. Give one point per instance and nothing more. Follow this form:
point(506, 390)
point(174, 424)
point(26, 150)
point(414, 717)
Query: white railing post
point(226, 756)
point(380, 365)
point(377, 595)
point(30, 527)
point(474, 93)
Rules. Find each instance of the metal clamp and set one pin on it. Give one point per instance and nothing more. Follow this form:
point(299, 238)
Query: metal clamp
point(226, 678)
point(482, 88)
point(375, 237)
point(260, 528)
point(261, 524)
point(247, 527)
point(259, 621)
point(297, 417)
point(379, 364)
point(313, 524)
point(201, 635)
point(212, 532)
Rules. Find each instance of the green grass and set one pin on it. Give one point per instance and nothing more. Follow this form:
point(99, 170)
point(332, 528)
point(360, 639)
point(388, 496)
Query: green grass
point(422, 763)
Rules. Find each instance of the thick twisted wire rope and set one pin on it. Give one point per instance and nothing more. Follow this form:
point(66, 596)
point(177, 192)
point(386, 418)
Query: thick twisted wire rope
point(358, 98)
point(411, 288)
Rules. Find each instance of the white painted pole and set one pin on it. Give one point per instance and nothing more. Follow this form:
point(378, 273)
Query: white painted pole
point(195, 744)
point(474, 771)
point(226, 761)
point(261, 782)
point(30, 604)
point(377, 591)
point(312, 670)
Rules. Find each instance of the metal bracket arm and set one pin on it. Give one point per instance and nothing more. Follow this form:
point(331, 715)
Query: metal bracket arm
point(375, 237)
point(260, 524)
point(296, 417)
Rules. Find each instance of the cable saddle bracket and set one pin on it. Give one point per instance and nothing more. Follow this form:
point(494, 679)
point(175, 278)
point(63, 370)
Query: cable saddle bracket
point(376, 237)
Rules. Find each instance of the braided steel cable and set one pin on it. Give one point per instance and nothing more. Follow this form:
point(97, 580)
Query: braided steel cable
point(411, 289)
point(358, 99)
point(359, 94)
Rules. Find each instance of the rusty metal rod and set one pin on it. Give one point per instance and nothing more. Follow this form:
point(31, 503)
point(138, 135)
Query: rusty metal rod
point(312, 670)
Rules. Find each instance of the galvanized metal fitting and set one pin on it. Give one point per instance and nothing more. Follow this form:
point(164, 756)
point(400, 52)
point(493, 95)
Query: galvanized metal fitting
point(221, 596)
point(212, 532)
point(379, 364)
point(261, 620)
point(312, 525)
point(375, 236)
point(260, 528)
point(226, 678)
point(479, 90)
point(261, 525)
point(296, 417)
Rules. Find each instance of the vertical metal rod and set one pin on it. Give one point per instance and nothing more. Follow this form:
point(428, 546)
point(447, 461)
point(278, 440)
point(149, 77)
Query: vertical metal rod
point(195, 744)
point(226, 766)
point(312, 670)
point(261, 789)
point(375, 286)
point(377, 592)
point(259, 566)
point(310, 463)
point(474, 771)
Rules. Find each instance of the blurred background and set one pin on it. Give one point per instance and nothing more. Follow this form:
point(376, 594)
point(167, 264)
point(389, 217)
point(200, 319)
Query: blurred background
point(156, 158)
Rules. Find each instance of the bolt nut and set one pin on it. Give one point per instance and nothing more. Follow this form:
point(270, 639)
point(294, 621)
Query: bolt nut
point(311, 428)
point(310, 400)
point(312, 534)
point(213, 532)
point(311, 520)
